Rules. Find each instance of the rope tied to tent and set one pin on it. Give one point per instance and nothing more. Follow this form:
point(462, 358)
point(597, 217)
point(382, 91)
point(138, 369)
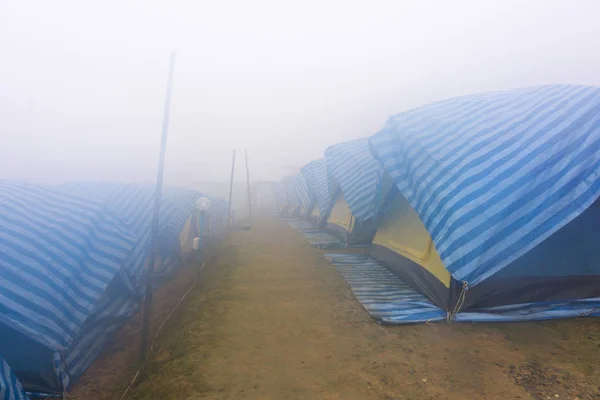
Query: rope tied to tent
point(460, 302)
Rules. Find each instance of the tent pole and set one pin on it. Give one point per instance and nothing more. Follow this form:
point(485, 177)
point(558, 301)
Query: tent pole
point(248, 184)
point(231, 189)
point(144, 344)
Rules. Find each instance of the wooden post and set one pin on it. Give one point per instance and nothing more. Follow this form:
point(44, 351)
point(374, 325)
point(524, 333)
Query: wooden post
point(248, 184)
point(229, 222)
point(154, 244)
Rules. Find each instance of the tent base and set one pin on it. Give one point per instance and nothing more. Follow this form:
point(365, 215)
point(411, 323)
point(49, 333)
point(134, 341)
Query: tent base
point(385, 296)
point(321, 239)
point(533, 311)
point(298, 223)
point(388, 299)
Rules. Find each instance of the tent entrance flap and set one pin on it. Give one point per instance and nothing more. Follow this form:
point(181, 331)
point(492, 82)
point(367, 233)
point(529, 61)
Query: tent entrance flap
point(340, 214)
point(401, 231)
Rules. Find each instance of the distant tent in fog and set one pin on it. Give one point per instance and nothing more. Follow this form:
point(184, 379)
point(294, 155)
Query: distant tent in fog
point(496, 208)
point(281, 197)
point(72, 269)
point(362, 189)
point(320, 182)
point(301, 199)
point(293, 202)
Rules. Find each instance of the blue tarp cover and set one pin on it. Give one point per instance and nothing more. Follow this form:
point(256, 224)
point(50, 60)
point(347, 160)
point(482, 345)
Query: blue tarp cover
point(321, 183)
point(290, 191)
point(72, 269)
point(358, 174)
point(58, 253)
point(390, 300)
point(10, 387)
point(492, 175)
point(298, 192)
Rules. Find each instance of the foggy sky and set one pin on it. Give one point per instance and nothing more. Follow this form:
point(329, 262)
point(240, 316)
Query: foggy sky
point(82, 83)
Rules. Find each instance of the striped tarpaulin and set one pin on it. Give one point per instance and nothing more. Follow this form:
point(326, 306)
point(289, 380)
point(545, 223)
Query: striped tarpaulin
point(492, 175)
point(290, 191)
point(10, 388)
point(321, 239)
point(321, 183)
point(114, 309)
point(58, 253)
point(385, 296)
point(299, 192)
point(72, 267)
point(133, 203)
point(280, 194)
point(358, 174)
point(390, 300)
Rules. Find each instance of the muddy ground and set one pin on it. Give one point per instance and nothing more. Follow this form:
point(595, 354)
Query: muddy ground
point(272, 319)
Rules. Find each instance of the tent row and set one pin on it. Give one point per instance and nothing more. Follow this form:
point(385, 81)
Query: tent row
point(486, 204)
point(73, 269)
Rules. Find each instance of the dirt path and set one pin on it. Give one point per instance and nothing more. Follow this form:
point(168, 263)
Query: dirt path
point(273, 320)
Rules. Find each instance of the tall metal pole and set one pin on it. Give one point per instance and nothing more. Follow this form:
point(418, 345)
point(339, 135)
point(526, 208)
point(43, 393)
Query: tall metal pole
point(231, 190)
point(248, 184)
point(145, 345)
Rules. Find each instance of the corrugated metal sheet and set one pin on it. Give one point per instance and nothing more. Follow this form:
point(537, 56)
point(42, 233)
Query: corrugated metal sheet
point(358, 174)
point(492, 175)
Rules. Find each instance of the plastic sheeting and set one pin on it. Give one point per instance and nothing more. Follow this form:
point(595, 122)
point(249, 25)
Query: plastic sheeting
point(10, 387)
point(493, 175)
point(385, 296)
point(321, 183)
point(389, 300)
point(72, 270)
point(359, 176)
point(58, 253)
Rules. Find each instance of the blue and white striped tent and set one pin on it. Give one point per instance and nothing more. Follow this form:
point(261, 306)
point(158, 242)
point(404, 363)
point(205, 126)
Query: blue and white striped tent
point(299, 193)
point(320, 182)
point(58, 256)
point(133, 203)
point(10, 387)
point(506, 184)
point(281, 197)
point(359, 176)
point(72, 270)
point(362, 189)
point(290, 191)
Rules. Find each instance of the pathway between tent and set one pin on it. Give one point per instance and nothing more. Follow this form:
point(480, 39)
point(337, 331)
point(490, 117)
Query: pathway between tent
point(273, 319)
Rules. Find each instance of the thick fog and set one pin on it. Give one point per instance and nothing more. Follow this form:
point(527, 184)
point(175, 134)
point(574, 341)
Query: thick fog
point(82, 83)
